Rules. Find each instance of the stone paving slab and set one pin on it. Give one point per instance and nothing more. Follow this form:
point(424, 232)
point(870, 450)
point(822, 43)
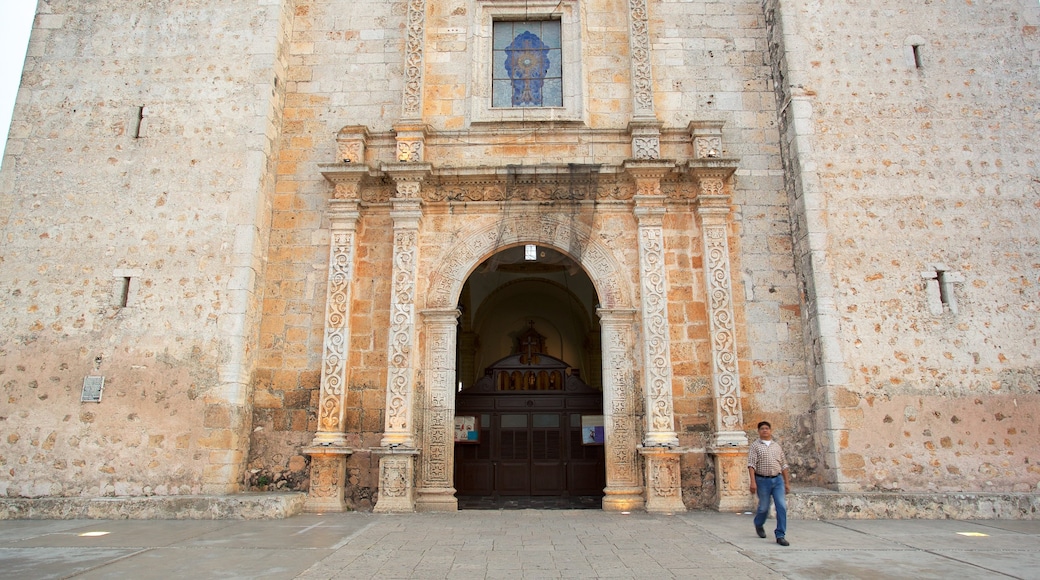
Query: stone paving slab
point(528, 544)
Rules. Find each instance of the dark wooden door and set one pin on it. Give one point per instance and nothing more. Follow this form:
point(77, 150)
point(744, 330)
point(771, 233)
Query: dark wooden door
point(530, 453)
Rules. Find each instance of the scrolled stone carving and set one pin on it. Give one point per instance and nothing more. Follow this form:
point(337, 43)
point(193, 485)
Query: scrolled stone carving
point(655, 326)
point(334, 357)
point(402, 332)
point(642, 75)
point(720, 315)
point(407, 190)
point(711, 186)
point(414, 49)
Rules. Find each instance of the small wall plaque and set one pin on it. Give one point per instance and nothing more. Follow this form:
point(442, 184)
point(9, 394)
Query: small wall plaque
point(92, 387)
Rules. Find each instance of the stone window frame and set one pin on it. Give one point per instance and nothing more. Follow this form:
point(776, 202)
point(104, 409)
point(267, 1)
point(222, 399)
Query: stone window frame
point(568, 14)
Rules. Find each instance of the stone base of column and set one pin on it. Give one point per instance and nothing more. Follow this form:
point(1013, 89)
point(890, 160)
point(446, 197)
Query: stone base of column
point(436, 499)
point(731, 479)
point(396, 479)
point(328, 478)
point(623, 499)
point(663, 481)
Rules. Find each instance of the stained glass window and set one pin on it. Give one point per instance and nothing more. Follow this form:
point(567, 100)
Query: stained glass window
point(527, 66)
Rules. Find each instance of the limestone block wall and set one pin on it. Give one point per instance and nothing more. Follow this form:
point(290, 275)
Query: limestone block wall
point(910, 136)
point(134, 204)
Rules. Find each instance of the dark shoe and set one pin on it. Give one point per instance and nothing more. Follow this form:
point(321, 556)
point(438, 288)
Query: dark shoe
point(783, 542)
point(760, 531)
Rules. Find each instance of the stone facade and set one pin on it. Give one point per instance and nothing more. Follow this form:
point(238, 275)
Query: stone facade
point(256, 220)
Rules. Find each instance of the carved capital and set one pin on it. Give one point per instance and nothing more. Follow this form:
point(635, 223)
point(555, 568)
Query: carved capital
point(351, 142)
point(346, 179)
point(411, 143)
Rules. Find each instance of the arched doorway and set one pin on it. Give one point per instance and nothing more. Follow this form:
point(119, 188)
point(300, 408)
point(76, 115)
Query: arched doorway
point(616, 315)
point(530, 402)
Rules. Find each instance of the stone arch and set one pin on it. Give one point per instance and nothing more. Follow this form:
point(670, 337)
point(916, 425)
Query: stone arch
point(617, 316)
point(558, 232)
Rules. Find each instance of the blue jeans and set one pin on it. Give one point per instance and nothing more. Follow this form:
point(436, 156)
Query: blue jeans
point(771, 488)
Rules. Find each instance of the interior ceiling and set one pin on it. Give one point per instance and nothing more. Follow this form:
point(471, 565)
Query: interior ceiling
point(511, 265)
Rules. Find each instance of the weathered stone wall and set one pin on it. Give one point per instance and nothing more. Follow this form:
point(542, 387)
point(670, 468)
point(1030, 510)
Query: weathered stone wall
point(136, 172)
point(901, 169)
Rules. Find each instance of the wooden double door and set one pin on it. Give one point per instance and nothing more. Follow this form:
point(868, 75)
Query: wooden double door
point(530, 445)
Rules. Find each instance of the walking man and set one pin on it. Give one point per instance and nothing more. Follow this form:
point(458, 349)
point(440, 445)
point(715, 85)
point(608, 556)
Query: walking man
point(766, 466)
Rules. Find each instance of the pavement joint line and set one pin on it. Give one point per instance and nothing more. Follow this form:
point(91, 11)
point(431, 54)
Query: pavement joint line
point(108, 563)
point(350, 537)
point(309, 528)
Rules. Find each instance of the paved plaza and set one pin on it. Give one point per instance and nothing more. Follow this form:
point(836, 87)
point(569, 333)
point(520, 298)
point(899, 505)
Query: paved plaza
point(516, 544)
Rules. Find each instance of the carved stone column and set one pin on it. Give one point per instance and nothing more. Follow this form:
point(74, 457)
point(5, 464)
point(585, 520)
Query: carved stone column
point(729, 447)
point(660, 448)
point(329, 449)
point(657, 358)
point(436, 491)
point(713, 209)
point(624, 491)
point(397, 447)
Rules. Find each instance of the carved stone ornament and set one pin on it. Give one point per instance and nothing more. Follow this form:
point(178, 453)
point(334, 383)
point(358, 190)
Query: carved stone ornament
point(663, 481)
point(337, 334)
point(413, 59)
point(328, 478)
point(723, 341)
point(351, 152)
point(483, 239)
point(711, 186)
point(396, 480)
point(646, 147)
point(624, 491)
point(350, 144)
point(642, 75)
point(436, 471)
point(410, 151)
point(656, 341)
point(401, 336)
point(707, 147)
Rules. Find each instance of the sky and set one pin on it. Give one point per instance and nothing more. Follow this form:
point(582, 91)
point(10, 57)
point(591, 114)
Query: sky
point(16, 18)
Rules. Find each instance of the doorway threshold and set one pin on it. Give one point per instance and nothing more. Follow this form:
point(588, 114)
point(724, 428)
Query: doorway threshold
point(580, 502)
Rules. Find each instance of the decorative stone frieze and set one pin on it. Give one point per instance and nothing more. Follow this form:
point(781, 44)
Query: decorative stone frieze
point(657, 374)
point(435, 490)
point(624, 491)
